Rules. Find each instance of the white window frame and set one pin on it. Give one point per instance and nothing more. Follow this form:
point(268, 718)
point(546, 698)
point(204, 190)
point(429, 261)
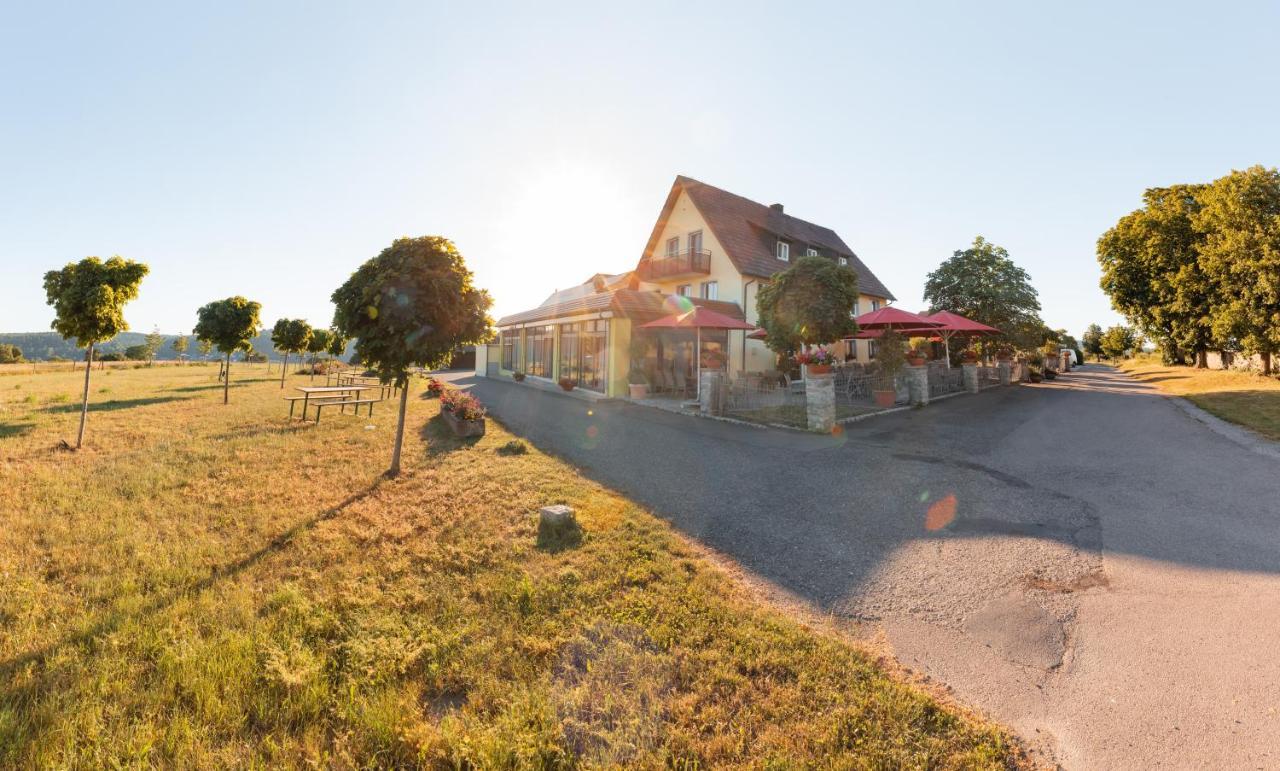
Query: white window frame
point(856, 305)
point(844, 262)
point(690, 239)
point(875, 305)
point(810, 252)
point(784, 251)
point(673, 246)
point(684, 290)
point(709, 290)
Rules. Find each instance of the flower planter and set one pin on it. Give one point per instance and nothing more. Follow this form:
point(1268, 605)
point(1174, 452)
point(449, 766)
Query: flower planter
point(885, 398)
point(567, 384)
point(517, 376)
point(639, 390)
point(463, 428)
point(916, 361)
point(819, 369)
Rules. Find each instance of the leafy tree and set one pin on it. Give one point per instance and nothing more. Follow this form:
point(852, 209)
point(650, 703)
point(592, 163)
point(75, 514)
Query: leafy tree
point(1117, 340)
point(88, 298)
point(180, 345)
point(1092, 340)
point(983, 284)
point(810, 303)
point(154, 341)
point(317, 344)
point(337, 343)
point(1151, 270)
point(290, 336)
point(1240, 216)
point(205, 347)
point(411, 306)
point(10, 354)
point(138, 352)
point(229, 324)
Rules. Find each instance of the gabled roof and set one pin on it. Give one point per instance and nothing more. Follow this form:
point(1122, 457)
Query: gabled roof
point(596, 283)
point(629, 303)
point(749, 231)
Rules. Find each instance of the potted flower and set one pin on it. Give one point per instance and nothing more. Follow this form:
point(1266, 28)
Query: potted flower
point(969, 356)
point(1003, 353)
point(637, 383)
point(916, 356)
point(567, 384)
point(714, 359)
point(818, 361)
point(434, 387)
point(517, 376)
point(463, 412)
point(890, 361)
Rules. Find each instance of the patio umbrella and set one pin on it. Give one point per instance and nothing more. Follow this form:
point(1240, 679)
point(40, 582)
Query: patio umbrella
point(897, 319)
point(759, 334)
point(955, 324)
point(698, 319)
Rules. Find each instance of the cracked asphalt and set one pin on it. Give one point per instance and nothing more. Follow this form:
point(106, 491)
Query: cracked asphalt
point(1080, 559)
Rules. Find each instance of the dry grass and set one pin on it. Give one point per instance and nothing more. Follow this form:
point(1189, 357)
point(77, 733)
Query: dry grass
point(210, 586)
point(1244, 398)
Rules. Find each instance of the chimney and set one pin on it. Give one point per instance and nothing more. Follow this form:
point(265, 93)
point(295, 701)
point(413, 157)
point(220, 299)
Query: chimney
point(776, 207)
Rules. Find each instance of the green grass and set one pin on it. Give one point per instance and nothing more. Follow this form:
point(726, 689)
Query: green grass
point(794, 415)
point(1245, 398)
point(207, 586)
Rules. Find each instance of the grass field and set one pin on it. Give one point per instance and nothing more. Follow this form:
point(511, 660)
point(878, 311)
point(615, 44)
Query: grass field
point(208, 586)
point(1245, 398)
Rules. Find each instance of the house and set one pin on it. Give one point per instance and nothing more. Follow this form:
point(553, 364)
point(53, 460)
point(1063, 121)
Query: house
point(708, 247)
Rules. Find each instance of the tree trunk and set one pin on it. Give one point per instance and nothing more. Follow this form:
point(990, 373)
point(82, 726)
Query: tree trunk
point(1202, 357)
point(226, 381)
point(394, 471)
point(1266, 363)
point(84, 404)
point(284, 367)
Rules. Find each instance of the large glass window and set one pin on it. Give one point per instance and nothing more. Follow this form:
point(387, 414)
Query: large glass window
point(584, 353)
point(539, 350)
point(710, 290)
point(509, 349)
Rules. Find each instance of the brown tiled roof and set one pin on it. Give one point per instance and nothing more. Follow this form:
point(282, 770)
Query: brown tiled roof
point(629, 303)
point(748, 231)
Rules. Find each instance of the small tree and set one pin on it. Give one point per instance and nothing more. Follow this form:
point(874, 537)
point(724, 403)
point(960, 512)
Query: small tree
point(137, 352)
point(411, 306)
point(317, 344)
point(10, 354)
point(231, 325)
point(290, 336)
point(1092, 340)
point(1117, 340)
point(205, 347)
point(154, 341)
point(337, 344)
point(88, 298)
point(810, 303)
point(180, 345)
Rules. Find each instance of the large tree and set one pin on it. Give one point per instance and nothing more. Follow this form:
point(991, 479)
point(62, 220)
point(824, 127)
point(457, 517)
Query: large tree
point(1118, 340)
point(1240, 217)
point(88, 298)
point(411, 306)
point(983, 284)
point(1152, 272)
point(1092, 340)
point(810, 303)
point(290, 336)
point(231, 325)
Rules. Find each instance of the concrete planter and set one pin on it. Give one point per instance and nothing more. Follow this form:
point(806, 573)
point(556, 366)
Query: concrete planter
point(885, 398)
point(463, 428)
point(638, 390)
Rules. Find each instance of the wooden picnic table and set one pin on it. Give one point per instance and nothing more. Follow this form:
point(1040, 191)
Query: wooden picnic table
point(385, 388)
point(326, 392)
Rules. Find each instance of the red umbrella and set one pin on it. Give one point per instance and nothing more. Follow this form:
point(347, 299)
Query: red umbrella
point(895, 318)
point(699, 318)
point(954, 324)
point(759, 334)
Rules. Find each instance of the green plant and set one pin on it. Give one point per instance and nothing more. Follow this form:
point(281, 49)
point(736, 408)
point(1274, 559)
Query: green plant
point(517, 376)
point(290, 336)
point(891, 357)
point(229, 324)
point(513, 447)
point(810, 303)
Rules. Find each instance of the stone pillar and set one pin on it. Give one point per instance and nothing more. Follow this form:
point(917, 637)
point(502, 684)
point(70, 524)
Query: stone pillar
point(709, 391)
point(1005, 368)
point(1066, 361)
point(970, 377)
point(820, 402)
point(918, 383)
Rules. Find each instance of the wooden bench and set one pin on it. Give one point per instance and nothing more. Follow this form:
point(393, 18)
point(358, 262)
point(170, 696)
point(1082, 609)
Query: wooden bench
point(343, 404)
point(311, 399)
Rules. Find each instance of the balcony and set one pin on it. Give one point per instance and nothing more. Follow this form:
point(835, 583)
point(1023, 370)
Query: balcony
point(686, 263)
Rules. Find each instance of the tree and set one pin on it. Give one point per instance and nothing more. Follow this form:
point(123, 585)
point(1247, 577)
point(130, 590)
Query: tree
point(1240, 217)
point(810, 303)
point(1152, 271)
point(337, 343)
point(229, 324)
point(88, 298)
point(10, 354)
point(318, 343)
point(290, 336)
point(411, 306)
point(137, 352)
point(1092, 340)
point(205, 347)
point(1117, 340)
point(180, 345)
point(154, 341)
point(983, 284)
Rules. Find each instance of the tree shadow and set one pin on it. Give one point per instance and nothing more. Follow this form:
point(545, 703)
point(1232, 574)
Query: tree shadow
point(440, 439)
point(117, 404)
point(8, 430)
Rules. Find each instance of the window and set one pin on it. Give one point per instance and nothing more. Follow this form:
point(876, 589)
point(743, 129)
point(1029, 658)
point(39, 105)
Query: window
point(844, 262)
point(695, 242)
point(873, 347)
point(539, 348)
point(784, 251)
point(684, 290)
point(710, 290)
point(509, 349)
point(811, 252)
point(875, 305)
point(583, 353)
point(673, 246)
point(856, 305)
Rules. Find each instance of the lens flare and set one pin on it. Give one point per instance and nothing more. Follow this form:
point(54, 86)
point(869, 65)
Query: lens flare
point(940, 513)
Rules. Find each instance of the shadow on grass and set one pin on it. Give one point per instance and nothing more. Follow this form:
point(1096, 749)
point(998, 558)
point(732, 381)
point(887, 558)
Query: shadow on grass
point(214, 386)
point(117, 404)
point(15, 429)
point(441, 440)
point(266, 429)
point(30, 687)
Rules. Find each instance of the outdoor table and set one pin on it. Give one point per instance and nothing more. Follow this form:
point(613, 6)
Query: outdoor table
point(320, 391)
point(386, 388)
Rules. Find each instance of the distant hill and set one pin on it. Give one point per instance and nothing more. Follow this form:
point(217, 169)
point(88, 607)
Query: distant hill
point(49, 345)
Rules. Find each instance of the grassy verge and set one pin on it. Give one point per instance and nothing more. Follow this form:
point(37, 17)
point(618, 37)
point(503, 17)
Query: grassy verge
point(794, 414)
point(210, 586)
point(1244, 398)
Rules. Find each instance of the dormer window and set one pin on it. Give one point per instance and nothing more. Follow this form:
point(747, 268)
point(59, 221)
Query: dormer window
point(784, 251)
point(811, 252)
point(673, 246)
point(844, 262)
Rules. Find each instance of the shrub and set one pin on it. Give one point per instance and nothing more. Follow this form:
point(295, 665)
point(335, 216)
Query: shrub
point(517, 376)
point(434, 387)
point(514, 447)
point(461, 405)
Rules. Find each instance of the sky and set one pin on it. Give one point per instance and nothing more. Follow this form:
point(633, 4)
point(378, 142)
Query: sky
point(267, 149)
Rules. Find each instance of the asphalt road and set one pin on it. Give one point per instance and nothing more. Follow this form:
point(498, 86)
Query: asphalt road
point(1080, 559)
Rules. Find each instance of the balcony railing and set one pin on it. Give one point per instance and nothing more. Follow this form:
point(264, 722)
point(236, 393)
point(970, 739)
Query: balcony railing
point(679, 264)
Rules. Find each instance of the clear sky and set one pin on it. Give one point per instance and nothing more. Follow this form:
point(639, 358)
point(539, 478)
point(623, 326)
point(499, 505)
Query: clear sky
point(267, 149)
